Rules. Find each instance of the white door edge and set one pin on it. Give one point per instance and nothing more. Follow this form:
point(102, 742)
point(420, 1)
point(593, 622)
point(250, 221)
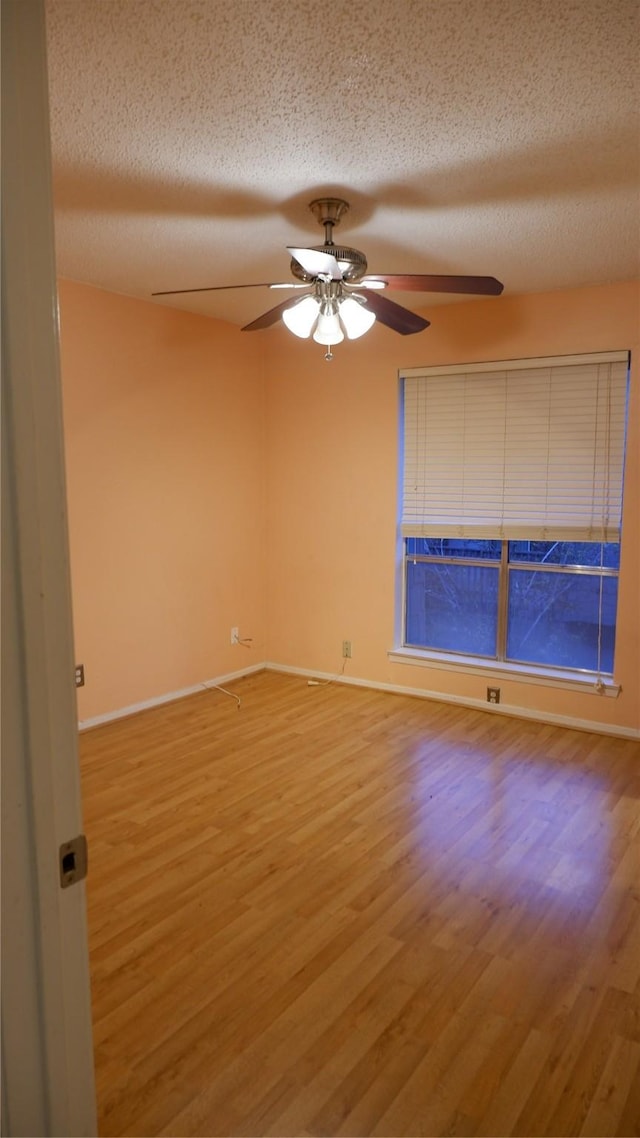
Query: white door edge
point(47, 1063)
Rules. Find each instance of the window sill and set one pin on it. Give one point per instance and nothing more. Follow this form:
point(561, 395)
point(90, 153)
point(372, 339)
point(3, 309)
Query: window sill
point(521, 673)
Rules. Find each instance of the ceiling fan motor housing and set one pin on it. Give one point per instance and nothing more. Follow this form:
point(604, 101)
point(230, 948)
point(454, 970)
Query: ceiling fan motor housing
point(352, 262)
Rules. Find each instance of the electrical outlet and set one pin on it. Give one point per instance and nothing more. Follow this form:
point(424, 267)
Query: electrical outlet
point(235, 635)
point(346, 649)
point(493, 695)
point(79, 675)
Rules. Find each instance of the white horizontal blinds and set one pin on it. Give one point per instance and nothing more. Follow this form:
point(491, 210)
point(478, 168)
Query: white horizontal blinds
point(453, 454)
point(527, 449)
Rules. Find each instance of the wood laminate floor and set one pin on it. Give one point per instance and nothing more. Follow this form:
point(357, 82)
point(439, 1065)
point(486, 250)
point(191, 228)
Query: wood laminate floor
point(337, 911)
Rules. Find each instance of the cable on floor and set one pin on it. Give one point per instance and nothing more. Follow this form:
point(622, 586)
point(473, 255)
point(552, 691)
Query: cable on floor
point(217, 687)
point(331, 680)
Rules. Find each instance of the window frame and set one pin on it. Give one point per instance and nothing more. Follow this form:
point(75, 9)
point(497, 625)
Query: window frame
point(504, 566)
point(500, 665)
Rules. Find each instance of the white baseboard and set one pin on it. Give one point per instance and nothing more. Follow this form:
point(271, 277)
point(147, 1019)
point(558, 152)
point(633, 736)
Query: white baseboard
point(398, 689)
point(466, 701)
point(168, 697)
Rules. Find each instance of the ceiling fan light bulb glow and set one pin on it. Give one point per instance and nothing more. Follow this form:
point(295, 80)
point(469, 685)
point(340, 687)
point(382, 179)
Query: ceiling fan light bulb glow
point(301, 317)
point(356, 318)
point(328, 330)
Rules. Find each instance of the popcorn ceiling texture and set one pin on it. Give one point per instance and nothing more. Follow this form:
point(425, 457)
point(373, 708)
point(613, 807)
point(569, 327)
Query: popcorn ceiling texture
point(474, 136)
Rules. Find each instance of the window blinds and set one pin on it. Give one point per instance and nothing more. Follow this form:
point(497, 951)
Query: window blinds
point(527, 449)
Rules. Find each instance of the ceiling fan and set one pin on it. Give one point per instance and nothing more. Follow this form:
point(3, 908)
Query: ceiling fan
point(340, 296)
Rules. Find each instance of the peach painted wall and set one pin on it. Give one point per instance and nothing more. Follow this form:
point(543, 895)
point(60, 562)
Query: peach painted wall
point(199, 498)
point(332, 488)
point(165, 446)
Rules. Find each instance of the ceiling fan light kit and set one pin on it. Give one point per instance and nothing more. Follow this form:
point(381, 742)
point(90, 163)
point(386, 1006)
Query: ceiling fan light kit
point(328, 314)
point(342, 297)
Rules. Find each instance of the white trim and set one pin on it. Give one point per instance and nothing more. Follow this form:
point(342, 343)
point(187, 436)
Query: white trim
point(47, 1060)
point(513, 710)
point(167, 697)
point(521, 673)
point(516, 365)
point(463, 701)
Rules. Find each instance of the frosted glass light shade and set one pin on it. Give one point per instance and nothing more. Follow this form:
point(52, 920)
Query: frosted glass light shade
point(355, 317)
point(328, 330)
point(328, 319)
point(302, 316)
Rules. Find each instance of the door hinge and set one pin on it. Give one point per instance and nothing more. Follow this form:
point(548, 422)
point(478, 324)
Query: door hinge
point(73, 861)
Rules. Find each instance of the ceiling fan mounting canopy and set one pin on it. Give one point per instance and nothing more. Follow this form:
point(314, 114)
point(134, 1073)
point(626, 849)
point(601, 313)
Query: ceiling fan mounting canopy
point(328, 211)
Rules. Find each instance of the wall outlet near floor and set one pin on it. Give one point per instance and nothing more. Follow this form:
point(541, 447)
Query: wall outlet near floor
point(346, 649)
point(79, 673)
point(493, 695)
point(235, 635)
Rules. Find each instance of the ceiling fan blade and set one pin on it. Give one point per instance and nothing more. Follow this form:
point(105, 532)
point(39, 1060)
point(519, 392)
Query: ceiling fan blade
point(394, 315)
point(315, 262)
point(270, 317)
point(218, 288)
point(419, 282)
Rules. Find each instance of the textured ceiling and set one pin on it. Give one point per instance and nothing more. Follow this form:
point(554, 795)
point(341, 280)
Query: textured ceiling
point(470, 136)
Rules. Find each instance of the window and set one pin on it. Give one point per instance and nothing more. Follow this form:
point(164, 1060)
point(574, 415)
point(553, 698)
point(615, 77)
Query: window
point(512, 500)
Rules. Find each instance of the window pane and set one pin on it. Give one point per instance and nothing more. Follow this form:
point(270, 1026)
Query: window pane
point(452, 607)
point(586, 553)
point(453, 547)
point(553, 619)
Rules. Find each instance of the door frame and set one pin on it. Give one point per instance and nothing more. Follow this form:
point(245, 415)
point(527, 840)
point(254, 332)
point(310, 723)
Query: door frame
point(47, 1057)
